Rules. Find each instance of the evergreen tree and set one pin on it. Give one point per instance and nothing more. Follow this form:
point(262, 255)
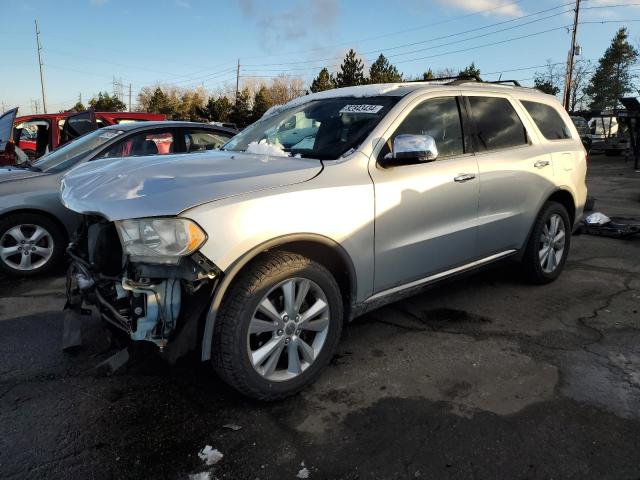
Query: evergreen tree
point(428, 75)
point(107, 103)
point(159, 103)
point(241, 111)
point(470, 72)
point(381, 71)
point(545, 85)
point(351, 71)
point(78, 107)
point(324, 81)
point(218, 109)
point(261, 103)
point(612, 78)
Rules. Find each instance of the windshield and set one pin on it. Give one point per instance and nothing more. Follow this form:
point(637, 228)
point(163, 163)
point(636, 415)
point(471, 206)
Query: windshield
point(69, 154)
point(322, 129)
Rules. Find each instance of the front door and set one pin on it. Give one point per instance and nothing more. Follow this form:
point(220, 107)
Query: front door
point(6, 137)
point(426, 213)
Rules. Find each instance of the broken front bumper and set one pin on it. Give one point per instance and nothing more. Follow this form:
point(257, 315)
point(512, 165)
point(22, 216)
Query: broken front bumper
point(162, 304)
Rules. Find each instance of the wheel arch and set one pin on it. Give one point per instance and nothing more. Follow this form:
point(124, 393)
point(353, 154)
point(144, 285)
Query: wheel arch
point(317, 247)
point(560, 195)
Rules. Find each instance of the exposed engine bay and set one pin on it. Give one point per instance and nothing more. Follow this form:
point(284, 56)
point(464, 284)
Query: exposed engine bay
point(145, 301)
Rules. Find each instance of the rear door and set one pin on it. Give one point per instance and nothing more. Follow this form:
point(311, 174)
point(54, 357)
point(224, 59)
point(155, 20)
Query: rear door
point(77, 125)
point(516, 172)
point(6, 128)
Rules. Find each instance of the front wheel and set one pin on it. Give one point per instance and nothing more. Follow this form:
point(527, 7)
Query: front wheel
point(549, 244)
point(278, 326)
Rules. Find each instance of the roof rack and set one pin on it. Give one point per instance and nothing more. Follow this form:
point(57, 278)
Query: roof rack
point(451, 80)
point(498, 82)
point(459, 79)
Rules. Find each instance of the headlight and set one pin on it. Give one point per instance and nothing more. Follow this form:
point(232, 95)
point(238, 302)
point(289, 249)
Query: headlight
point(159, 240)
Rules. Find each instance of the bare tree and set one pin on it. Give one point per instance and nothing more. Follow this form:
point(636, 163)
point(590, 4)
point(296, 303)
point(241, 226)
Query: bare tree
point(582, 70)
point(550, 79)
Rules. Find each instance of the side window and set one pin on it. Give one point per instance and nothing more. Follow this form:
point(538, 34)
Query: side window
point(201, 140)
point(497, 123)
point(547, 120)
point(140, 145)
point(34, 137)
point(440, 118)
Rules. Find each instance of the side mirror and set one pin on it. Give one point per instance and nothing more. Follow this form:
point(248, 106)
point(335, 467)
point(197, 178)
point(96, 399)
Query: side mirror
point(421, 148)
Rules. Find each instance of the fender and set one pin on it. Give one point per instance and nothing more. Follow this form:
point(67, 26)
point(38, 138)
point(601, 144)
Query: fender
point(238, 265)
point(523, 248)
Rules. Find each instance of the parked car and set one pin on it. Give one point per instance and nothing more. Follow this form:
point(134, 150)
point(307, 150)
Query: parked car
point(256, 255)
point(35, 227)
point(38, 134)
point(582, 127)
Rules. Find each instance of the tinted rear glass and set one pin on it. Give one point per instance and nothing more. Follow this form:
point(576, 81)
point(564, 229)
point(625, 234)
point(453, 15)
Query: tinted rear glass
point(548, 120)
point(497, 123)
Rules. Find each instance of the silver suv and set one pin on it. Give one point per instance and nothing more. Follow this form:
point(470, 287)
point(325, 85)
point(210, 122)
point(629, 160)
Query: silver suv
point(327, 207)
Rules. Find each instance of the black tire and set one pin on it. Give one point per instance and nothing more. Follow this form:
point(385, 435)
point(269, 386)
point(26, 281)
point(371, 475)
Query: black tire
point(531, 260)
point(58, 238)
point(230, 354)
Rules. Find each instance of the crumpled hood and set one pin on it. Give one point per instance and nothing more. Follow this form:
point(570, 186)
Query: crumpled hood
point(167, 185)
point(14, 173)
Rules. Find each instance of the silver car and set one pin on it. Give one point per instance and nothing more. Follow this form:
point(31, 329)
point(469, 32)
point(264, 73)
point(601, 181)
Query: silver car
point(34, 225)
point(258, 254)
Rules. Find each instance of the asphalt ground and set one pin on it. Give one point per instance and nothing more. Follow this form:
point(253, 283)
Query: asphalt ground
point(482, 378)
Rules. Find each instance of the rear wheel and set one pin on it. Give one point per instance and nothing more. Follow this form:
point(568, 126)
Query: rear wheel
point(278, 326)
point(30, 244)
point(549, 244)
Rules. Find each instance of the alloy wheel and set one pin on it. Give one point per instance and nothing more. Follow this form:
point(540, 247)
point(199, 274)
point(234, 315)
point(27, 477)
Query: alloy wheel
point(26, 247)
point(288, 329)
point(552, 240)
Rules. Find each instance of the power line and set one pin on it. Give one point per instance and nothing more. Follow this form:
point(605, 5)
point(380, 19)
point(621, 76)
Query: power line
point(386, 35)
point(442, 37)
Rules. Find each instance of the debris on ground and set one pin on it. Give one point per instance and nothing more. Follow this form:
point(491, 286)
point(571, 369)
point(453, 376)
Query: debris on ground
point(303, 472)
point(232, 426)
point(599, 224)
point(200, 476)
point(210, 455)
point(112, 364)
point(597, 218)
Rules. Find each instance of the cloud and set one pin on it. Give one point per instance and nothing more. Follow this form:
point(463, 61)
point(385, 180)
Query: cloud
point(505, 8)
point(297, 23)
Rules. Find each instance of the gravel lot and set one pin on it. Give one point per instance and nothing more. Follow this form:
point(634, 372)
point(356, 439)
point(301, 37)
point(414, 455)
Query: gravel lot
point(485, 377)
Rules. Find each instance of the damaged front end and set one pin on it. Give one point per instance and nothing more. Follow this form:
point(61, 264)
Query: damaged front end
point(145, 277)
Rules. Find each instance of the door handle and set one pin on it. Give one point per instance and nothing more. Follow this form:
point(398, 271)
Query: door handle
point(541, 163)
point(464, 177)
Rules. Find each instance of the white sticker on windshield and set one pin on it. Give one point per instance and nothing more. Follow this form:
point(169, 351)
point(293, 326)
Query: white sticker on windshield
point(361, 109)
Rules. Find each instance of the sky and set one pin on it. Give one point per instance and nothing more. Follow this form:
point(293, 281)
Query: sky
point(186, 43)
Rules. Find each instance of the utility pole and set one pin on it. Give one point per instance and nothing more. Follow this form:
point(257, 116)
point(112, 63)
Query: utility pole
point(572, 53)
point(238, 80)
point(129, 97)
point(44, 101)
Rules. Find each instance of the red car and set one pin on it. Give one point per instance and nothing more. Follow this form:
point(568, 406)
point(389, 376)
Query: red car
point(37, 134)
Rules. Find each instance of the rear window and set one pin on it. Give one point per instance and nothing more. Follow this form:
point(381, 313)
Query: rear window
point(548, 120)
point(497, 123)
